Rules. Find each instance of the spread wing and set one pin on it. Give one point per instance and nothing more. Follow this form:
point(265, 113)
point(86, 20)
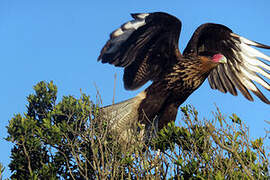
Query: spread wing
point(144, 46)
point(245, 64)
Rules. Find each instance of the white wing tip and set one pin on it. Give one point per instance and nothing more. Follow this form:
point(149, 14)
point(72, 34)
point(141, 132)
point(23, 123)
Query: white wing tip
point(130, 25)
point(117, 32)
point(141, 15)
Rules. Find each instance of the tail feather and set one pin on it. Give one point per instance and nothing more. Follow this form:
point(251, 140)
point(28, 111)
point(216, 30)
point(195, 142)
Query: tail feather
point(123, 116)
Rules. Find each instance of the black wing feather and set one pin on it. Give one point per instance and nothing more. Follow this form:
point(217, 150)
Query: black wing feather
point(242, 67)
point(144, 46)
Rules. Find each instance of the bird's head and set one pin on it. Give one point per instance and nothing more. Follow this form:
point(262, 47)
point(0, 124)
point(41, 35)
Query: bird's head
point(210, 60)
point(219, 58)
point(213, 57)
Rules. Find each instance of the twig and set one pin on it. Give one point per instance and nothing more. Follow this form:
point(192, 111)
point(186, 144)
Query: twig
point(217, 140)
point(28, 159)
point(114, 87)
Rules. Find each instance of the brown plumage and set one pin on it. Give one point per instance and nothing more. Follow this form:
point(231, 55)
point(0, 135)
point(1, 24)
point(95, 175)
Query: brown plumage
point(147, 49)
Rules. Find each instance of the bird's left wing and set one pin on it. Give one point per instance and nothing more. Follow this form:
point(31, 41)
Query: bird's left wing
point(245, 64)
point(144, 46)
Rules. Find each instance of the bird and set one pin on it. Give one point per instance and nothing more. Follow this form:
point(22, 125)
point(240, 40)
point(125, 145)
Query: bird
point(147, 48)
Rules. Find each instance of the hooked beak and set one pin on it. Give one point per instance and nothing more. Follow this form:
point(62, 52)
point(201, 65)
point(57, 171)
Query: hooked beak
point(223, 60)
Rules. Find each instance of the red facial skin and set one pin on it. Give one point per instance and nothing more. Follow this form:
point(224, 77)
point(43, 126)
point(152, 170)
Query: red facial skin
point(216, 58)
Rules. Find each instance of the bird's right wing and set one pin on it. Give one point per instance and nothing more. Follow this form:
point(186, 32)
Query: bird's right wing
point(245, 64)
point(144, 46)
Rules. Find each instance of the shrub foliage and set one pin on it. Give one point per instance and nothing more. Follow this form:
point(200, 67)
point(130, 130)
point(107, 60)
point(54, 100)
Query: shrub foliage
point(67, 139)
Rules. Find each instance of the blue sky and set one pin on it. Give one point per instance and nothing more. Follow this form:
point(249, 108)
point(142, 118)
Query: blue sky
point(61, 40)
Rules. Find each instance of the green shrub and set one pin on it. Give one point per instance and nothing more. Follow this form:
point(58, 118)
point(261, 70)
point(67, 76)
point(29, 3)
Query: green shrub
point(67, 139)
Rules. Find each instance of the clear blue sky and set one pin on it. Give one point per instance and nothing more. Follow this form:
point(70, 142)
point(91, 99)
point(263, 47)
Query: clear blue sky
point(61, 40)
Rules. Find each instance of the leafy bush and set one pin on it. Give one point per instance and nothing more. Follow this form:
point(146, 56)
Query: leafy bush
point(69, 140)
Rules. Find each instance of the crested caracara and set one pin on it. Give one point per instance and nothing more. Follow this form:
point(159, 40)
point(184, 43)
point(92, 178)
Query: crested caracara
point(147, 48)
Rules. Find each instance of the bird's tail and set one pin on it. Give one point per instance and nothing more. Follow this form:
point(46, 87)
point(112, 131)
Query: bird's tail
point(122, 117)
